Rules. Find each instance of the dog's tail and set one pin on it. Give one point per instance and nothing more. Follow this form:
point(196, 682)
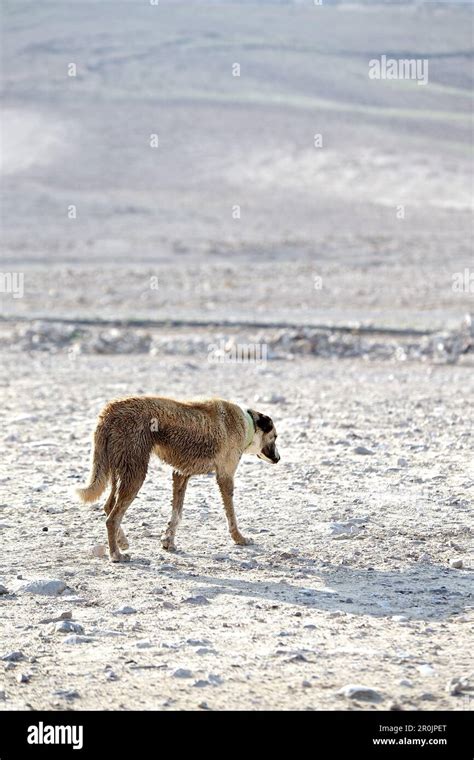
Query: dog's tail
point(100, 470)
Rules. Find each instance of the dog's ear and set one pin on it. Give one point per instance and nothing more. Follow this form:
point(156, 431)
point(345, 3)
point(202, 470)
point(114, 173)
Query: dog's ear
point(261, 421)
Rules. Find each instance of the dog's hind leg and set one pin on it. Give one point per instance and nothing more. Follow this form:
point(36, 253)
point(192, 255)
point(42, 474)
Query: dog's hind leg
point(108, 506)
point(179, 489)
point(226, 487)
point(128, 489)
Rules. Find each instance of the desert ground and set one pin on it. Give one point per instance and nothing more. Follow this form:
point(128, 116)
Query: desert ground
point(342, 263)
point(351, 580)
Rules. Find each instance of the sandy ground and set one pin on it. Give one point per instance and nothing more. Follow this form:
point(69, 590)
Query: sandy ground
point(361, 570)
point(349, 580)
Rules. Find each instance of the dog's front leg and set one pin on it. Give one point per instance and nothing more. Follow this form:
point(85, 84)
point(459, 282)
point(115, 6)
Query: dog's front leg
point(179, 489)
point(226, 487)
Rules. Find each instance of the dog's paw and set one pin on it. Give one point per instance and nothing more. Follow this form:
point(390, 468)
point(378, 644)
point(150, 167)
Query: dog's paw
point(119, 557)
point(242, 541)
point(168, 544)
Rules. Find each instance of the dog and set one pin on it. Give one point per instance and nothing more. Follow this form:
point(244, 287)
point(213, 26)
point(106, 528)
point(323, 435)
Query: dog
point(194, 437)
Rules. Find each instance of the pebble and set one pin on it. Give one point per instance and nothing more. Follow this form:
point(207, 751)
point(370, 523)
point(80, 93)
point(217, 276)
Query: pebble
point(13, 656)
point(125, 610)
point(196, 600)
point(456, 563)
point(23, 678)
point(402, 462)
point(3, 696)
point(66, 693)
point(76, 638)
point(405, 682)
point(426, 670)
point(427, 696)
point(3, 589)
point(143, 644)
point(182, 673)
point(44, 587)
point(272, 398)
point(358, 691)
point(99, 550)
point(67, 626)
point(457, 686)
point(65, 615)
point(363, 451)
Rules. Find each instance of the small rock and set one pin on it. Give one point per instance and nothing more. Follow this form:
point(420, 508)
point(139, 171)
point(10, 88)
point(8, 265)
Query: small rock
point(426, 670)
point(358, 691)
point(111, 676)
point(23, 678)
point(13, 657)
point(457, 686)
point(402, 462)
point(405, 682)
point(456, 563)
point(272, 398)
point(125, 610)
point(182, 673)
point(427, 696)
point(66, 693)
point(3, 696)
point(399, 618)
point(143, 644)
point(306, 684)
point(196, 600)
point(44, 587)
point(3, 589)
point(363, 451)
point(99, 550)
point(67, 626)
point(75, 638)
point(66, 615)
point(200, 684)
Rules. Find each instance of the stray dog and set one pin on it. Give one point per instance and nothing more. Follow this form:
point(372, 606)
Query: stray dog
point(194, 437)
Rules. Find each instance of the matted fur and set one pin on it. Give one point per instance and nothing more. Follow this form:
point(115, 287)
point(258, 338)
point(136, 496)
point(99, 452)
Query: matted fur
point(194, 437)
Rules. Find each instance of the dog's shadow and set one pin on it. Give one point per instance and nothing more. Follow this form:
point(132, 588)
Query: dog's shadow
point(419, 592)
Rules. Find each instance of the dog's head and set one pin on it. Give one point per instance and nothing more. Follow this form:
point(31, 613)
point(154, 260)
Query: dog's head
point(263, 443)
